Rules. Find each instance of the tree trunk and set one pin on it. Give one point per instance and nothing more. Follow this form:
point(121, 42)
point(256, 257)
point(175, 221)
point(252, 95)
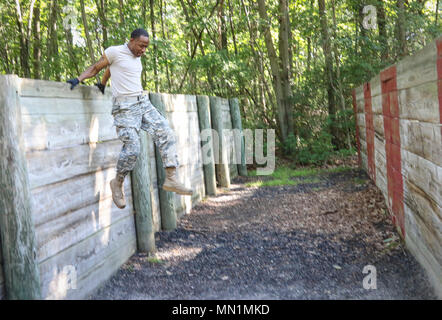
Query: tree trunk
point(222, 32)
point(328, 73)
point(70, 48)
point(276, 74)
point(232, 28)
point(383, 39)
point(339, 90)
point(36, 43)
point(164, 37)
point(400, 24)
point(101, 7)
point(155, 50)
point(52, 53)
point(284, 53)
point(194, 49)
point(121, 6)
point(262, 85)
point(363, 31)
point(4, 52)
point(200, 43)
point(24, 52)
point(88, 38)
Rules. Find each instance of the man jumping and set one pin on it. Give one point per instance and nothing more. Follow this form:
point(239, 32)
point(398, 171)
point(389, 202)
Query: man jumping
point(132, 111)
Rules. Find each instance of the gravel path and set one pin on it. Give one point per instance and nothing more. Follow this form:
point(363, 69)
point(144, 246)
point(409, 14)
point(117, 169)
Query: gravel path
point(306, 241)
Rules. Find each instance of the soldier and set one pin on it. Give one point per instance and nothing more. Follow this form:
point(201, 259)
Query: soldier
point(133, 111)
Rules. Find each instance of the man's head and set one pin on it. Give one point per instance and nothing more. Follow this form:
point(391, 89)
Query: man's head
point(139, 40)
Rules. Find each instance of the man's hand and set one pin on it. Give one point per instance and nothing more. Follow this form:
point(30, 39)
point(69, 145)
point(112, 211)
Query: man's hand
point(101, 87)
point(73, 82)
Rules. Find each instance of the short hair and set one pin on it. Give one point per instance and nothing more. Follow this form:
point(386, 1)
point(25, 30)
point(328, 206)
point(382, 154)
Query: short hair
point(138, 33)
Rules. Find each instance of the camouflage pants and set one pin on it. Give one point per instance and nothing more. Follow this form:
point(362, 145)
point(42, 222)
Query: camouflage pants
point(129, 118)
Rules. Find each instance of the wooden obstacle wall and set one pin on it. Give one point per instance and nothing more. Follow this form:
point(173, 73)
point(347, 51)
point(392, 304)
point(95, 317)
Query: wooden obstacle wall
point(398, 117)
point(70, 149)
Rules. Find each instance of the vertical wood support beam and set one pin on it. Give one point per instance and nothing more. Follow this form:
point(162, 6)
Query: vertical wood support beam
point(141, 187)
point(358, 142)
point(238, 136)
point(205, 127)
point(369, 131)
point(219, 145)
point(167, 207)
point(390, 110)
point(20, 265)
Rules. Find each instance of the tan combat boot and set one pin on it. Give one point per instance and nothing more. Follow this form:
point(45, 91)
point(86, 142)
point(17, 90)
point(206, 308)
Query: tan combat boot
point(172, 184)
point(117, 192)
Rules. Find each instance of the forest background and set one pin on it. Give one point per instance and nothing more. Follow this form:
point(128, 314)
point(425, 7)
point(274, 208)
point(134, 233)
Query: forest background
point(292, 64)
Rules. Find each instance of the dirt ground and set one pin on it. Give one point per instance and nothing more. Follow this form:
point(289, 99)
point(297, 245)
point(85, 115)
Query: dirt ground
point(306, 241)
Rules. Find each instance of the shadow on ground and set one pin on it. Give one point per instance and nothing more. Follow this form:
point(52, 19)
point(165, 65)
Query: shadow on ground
point(307, 241)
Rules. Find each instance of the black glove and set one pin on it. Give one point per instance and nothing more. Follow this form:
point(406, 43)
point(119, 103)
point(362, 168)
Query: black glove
point(101, 87)
point(73, 82)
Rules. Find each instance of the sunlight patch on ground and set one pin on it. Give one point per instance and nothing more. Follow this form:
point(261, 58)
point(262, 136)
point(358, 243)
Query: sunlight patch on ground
point(178, 253)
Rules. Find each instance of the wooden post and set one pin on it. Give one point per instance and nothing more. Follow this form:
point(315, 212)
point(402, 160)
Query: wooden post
point(167, 207)
point(236, 124)
point(142, 199)
point(20, 265)
point(203, 104)
point(222, 163)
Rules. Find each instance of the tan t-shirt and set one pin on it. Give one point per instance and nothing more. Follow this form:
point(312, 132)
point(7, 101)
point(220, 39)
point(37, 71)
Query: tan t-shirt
point(125, 71)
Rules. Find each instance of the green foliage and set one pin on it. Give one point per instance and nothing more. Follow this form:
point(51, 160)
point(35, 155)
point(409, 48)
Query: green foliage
point(284, 176)
point(190, 58)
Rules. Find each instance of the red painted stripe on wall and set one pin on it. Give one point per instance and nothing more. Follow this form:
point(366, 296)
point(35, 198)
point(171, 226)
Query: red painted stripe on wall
point(369, 131)
point(390, 111)
point(439, 78)
point(358, 142)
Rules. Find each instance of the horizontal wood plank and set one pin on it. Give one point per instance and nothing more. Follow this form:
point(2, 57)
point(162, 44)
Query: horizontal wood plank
point(417, 69)
point(72, 228)
point(55, 89)
point(55, 200)
point(63, 106)
point(95, 259)
point(56, 131)
point(420, 103)
point(50, 166)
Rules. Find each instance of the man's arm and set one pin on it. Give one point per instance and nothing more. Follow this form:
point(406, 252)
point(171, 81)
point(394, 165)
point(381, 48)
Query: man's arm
point(104, 80)
point(91, 71)
point(106, 76)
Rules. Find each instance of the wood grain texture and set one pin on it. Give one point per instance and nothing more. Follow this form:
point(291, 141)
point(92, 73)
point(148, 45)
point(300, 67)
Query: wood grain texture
point(154, 196)
point(51, 166)
point(238, 139)
point(186, 126)
point(59, 234)
point(418, 130)
point(228, 137)
point(142, 199)
point(16, 226)
point(2, 279)
point(55, 200)
point(417, 242)
point(95, 259)
point(420, 68)
point(168, 215)
point(205, 126)
point(420, 103)
point(54, 89)
point(217, 113)
point(70, 148)
point(57, 131)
